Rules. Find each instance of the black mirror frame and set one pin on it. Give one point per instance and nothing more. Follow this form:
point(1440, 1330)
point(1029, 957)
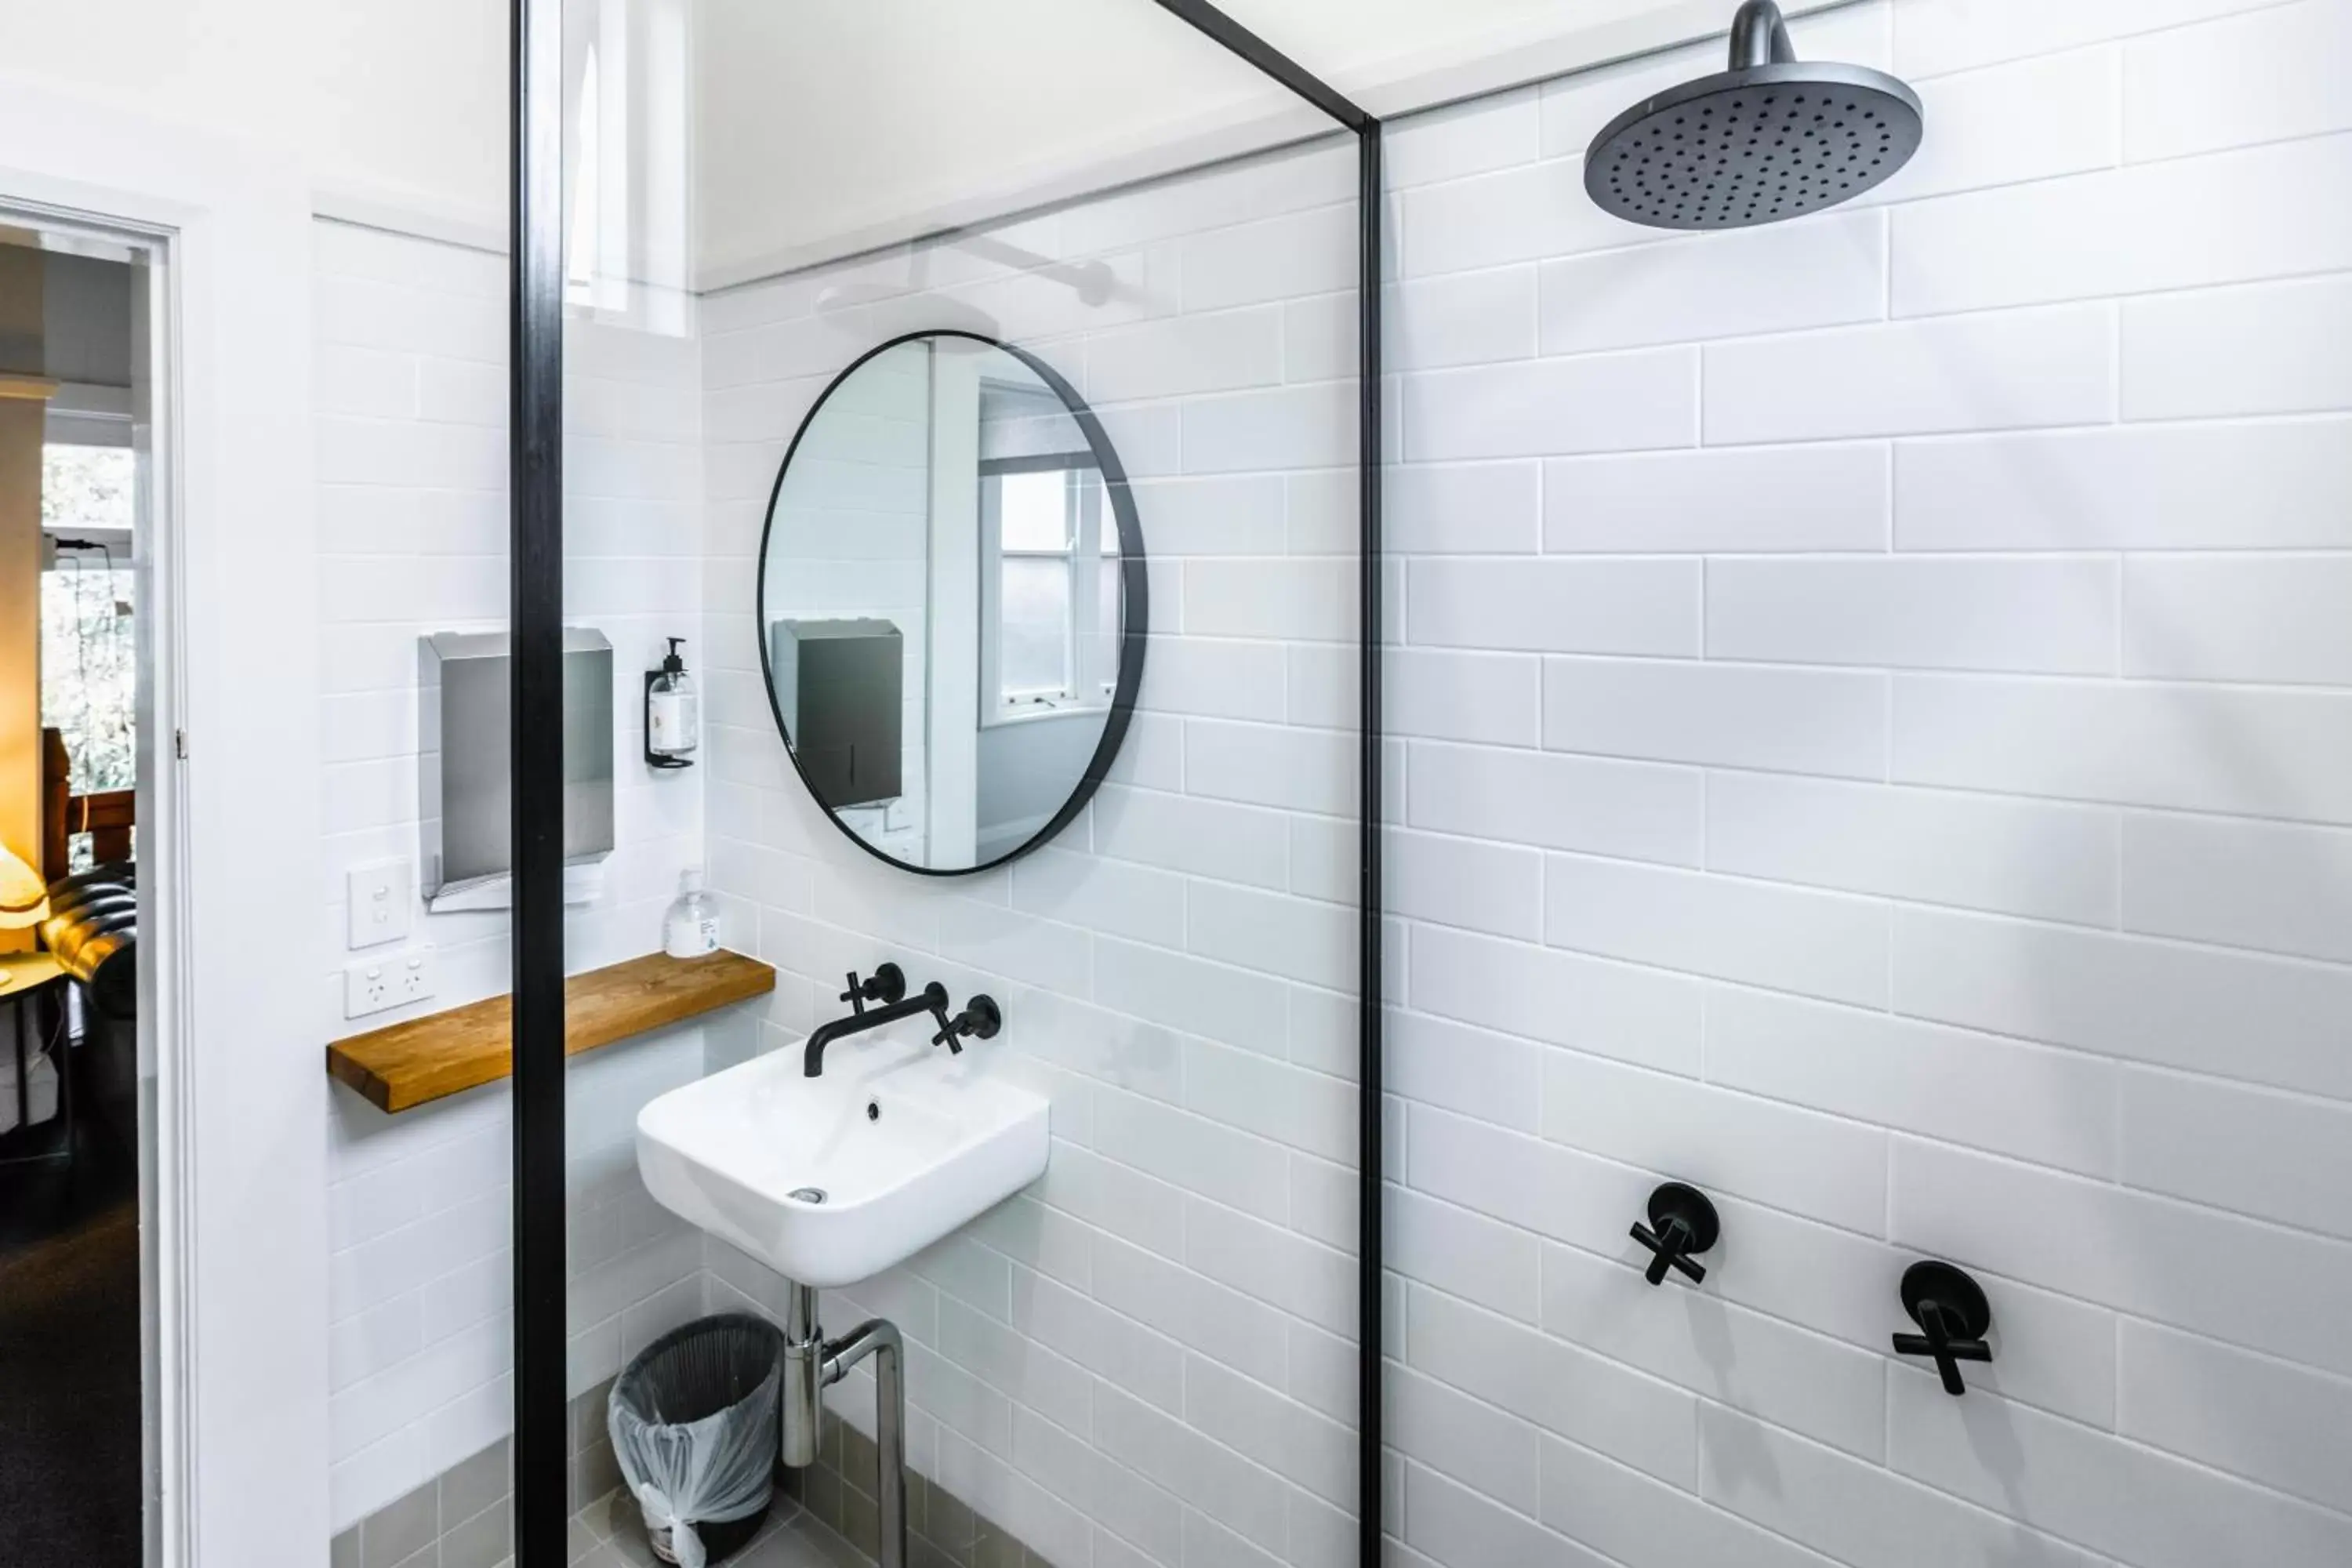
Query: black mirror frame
point(1135, 588)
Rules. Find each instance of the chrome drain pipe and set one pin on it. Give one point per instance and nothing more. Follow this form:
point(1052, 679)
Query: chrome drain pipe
point(802, 1378)
point(811, 1366)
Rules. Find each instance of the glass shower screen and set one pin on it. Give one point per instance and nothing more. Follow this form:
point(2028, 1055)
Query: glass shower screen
point(963, 437)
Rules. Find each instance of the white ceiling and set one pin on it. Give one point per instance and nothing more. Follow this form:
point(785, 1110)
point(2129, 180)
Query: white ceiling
point(828, 126)
point(1397, 55)
point(825, 127)
point(819, 127)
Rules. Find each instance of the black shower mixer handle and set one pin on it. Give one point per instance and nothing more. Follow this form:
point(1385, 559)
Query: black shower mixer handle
point(1953, 1318)
point(1948, 1349)
point(1682, 1222)
point(1672, 1249)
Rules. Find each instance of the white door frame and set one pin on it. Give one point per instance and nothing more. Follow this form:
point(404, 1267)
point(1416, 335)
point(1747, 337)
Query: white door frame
point(160, 1107)
point(232, 1081)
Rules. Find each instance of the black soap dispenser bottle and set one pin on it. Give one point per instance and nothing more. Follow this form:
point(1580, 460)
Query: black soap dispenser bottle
point(673, 713)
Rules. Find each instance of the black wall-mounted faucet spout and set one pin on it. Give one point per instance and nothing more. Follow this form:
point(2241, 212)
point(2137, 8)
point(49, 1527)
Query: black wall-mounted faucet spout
point(932, 999)
point(979, 1020)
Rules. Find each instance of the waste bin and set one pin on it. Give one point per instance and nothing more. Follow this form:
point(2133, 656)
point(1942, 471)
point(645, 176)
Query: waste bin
point(693, 1420)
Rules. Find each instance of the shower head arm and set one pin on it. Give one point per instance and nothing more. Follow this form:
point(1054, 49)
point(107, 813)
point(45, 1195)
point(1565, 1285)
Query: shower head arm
point(1759, 36)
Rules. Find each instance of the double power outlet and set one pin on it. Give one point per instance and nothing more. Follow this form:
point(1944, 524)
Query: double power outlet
point(382, 898)
point(373, 984)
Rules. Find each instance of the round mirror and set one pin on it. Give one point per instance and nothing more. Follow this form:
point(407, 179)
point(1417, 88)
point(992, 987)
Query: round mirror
point(951, 604)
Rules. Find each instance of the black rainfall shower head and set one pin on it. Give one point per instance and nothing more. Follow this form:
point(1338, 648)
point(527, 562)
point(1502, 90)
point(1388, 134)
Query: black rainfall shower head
point(1771, 137)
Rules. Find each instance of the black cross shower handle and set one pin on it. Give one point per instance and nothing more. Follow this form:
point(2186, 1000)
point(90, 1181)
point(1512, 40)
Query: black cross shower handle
point(1672, 1249)
point(1682, 1222)
point(1953, 1317)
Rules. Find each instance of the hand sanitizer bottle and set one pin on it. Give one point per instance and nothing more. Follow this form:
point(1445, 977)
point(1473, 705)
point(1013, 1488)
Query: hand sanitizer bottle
point(691, 927)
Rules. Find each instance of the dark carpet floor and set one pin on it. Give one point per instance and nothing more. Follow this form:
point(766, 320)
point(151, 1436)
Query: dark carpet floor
point(70, 1413)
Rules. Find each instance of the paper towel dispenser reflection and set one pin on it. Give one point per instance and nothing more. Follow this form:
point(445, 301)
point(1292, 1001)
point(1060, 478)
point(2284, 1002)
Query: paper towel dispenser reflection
point(465, 793)
point(839, 689)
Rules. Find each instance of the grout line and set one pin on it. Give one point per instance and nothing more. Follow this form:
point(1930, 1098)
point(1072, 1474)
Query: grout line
point(1887, 729)
point(2116, 841)
point(1886, 262)
point(2118, 54)
point(2122, 559)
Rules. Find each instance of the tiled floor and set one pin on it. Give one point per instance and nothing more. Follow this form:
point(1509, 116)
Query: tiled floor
point(611, 1533)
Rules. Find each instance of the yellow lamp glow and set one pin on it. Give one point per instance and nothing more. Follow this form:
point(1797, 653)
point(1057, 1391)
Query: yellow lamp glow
point(23, 896)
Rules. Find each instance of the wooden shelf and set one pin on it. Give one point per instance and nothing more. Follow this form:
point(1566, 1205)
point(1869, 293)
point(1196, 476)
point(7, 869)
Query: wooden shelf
point(407, 1065)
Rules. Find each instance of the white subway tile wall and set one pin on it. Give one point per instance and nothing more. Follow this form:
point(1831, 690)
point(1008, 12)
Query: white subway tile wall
point(1148, 1358)
point(412, 470)
point(1901, 653)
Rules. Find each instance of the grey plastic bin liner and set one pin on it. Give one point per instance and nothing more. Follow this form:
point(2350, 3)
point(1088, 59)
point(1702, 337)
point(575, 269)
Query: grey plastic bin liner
point(693, 1420)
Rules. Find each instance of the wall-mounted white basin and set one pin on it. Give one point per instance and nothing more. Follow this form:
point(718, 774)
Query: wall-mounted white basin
point(832, 1180)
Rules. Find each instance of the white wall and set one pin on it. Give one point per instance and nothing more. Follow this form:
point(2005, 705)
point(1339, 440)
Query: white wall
point(1877, 693)
point(411, 397)
point(233, 1086)
point(402, 105)
point(1146, 1358)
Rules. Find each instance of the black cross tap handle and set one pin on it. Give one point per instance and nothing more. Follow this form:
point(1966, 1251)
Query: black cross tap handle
point(980, 1019)
point(1682, 1222)
point(888, 986)
point(1953, 1318)
point(1672, 1245)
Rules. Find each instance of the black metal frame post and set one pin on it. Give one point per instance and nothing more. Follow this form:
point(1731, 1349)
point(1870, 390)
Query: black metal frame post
point(1272, 62)
point(1371, 1001)
point(535, 565)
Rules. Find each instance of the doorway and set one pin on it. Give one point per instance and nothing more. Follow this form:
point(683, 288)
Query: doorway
point(76, 471)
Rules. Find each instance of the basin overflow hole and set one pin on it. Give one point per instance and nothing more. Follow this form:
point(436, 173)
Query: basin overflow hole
point(872, 1111)
point(808, 1194)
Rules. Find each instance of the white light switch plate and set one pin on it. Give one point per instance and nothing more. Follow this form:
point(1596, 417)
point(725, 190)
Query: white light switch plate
point(391, 979)
point(380, 898)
